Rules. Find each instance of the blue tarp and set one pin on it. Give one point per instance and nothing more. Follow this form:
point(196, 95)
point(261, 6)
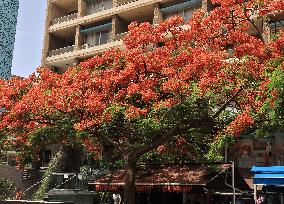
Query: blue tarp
point(270, 175)
point(268, 181)
point(267, 169)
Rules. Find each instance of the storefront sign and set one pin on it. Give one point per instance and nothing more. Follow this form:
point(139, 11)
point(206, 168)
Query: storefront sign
point(177, 188)
point(112, 188)
point(146, 188)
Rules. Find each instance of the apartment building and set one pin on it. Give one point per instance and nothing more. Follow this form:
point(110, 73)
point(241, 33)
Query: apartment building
point(76, 30)
point(8, 22)
point(79, 29)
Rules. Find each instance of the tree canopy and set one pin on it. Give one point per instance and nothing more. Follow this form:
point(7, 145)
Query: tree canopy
point(174, 81)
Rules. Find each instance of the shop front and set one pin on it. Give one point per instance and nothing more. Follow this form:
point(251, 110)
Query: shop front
point(165, 184)
point(271, 181)
point(164, 193)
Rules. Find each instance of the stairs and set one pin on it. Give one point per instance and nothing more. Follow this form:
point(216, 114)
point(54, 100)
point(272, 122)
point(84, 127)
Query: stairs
point(30, 174)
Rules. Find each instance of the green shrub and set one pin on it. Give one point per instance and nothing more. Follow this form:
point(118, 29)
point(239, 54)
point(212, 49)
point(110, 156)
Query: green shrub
point(7, 189)
point(47, 180)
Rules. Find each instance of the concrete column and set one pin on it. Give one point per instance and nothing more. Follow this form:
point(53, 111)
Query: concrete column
point(158, 16)
point(114, 27)
point(45, 48)
point(266, 31)
point(115, 3)
point(82, 7)
point(207, 5)
point(118, 26)
point(79, 38)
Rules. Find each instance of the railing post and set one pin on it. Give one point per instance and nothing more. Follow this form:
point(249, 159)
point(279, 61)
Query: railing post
point(233, 182)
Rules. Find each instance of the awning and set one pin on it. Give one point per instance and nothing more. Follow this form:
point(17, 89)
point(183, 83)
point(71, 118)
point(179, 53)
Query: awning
point(269, 179)
point(267, 169)
point(271, 175)
point(180, 6)
point(159, 178)
point(99, 28)
point(147, 187)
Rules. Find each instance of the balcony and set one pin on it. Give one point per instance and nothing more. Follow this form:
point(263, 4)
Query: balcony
point(65, 59)
point(122, 10)
point(61, 50)
point(98, 6)
point(91, 50)
point(64, 19)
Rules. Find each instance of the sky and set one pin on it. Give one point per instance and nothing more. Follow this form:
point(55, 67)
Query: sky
point(29, 37)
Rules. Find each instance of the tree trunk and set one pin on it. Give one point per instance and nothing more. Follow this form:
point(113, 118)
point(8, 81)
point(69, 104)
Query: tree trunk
point(129, 186)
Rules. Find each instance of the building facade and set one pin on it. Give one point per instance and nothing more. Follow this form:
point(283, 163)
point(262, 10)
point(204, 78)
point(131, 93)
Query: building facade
point(79, 29)
point(8, 22)
point(76, 30)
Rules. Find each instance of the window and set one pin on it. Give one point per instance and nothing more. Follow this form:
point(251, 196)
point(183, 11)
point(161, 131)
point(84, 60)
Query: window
point(90, 7)
point(103, 37)
point(186, 14)
point(98, 38)
point(91, 39)
point(46, 156)
point(98, 5)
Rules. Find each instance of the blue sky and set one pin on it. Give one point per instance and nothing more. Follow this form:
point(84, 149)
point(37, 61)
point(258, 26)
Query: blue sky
point(29, 37)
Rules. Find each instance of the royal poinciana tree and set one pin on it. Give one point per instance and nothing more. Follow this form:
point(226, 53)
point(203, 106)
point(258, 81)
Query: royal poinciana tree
point(168, 82)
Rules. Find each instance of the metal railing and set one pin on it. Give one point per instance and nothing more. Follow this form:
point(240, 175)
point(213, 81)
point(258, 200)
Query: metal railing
point(61, 50)
point(64, 18)
point(120, 36)
point(90, 45)
point(122, 2)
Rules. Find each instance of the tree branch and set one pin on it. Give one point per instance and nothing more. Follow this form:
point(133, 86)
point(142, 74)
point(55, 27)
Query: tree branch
point(227, 102)
point(253, 23)
point(108, 140)
point(160, 139)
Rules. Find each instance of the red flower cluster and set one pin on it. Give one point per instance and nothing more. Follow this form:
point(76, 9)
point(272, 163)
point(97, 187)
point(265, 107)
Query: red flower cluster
point(162, 65)
point(241, 123)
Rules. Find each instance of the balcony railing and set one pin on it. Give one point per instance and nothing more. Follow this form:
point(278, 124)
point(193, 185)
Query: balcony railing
point(61, 50)
point(120, 36)
point(276, 28)
point(64, 18)
point(89, 45)
point(122, 2)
